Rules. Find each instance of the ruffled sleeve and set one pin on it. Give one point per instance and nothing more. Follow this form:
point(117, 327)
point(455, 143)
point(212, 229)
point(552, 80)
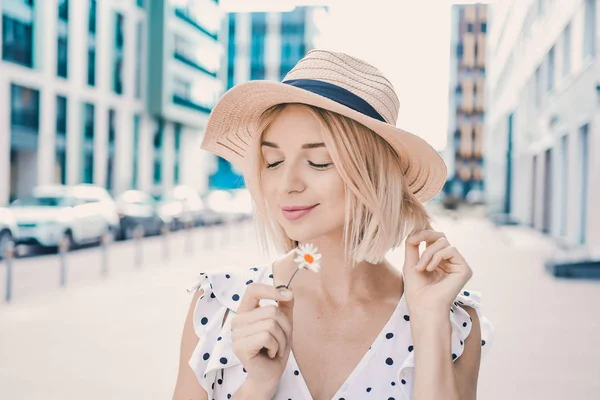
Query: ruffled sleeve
point(214, 352)
point(461, 328)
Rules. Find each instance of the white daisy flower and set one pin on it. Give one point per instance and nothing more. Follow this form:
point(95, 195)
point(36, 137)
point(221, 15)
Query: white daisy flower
point(308, 257)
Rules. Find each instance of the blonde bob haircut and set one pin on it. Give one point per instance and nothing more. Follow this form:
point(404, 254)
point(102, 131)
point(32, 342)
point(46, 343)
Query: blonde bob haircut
point(380, 211)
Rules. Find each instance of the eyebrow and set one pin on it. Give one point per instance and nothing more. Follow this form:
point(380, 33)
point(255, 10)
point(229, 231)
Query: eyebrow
point(304, 146)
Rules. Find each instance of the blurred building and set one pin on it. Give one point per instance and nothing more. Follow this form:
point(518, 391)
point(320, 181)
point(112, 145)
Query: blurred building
point(543, 117)
point(464, 152)
point(111, 92)
point(265, 45)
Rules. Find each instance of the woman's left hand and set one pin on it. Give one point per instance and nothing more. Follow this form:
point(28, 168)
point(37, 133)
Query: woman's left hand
point(436, 277)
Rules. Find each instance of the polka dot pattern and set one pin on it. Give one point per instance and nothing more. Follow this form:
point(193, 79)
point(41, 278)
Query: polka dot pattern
point(386, 370)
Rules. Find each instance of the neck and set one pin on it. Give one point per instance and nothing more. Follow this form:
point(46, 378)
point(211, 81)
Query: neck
point(339, 282)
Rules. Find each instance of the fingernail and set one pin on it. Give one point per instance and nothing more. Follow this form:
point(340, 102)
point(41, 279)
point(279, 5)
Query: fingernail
point(286, 293)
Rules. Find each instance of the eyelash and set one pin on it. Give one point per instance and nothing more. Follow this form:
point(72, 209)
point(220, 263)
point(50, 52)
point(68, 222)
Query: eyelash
point(318, 166)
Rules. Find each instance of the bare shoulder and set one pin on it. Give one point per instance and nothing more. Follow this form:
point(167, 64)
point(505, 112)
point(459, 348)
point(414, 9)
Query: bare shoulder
point(187, 386)
point(467, 365)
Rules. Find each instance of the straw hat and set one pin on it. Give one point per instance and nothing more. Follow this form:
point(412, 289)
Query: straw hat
point(336, 82)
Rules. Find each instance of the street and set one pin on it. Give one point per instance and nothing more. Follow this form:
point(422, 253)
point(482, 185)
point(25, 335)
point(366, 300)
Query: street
point(118, 337)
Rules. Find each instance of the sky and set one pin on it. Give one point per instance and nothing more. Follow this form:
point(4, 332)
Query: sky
point(408, 40)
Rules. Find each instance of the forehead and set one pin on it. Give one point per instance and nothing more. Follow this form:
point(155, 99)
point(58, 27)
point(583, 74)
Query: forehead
point(295, 124)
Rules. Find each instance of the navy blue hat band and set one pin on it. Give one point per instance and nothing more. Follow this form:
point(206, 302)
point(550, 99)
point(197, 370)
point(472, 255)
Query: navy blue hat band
point(337, 94)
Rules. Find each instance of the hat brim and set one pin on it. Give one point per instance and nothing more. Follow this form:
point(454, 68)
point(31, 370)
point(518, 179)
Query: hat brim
point(232, 121)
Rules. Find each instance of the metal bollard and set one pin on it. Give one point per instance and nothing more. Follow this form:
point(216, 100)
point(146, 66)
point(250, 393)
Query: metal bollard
point(164, 230)
point(9, 254)
point(63, 249)
point(138, 234)
point(104, 240)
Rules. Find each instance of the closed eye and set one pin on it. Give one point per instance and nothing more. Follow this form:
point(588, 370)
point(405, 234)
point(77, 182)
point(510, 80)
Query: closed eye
point(318, 166)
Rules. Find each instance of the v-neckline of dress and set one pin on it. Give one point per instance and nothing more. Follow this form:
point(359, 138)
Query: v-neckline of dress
point(364, 359)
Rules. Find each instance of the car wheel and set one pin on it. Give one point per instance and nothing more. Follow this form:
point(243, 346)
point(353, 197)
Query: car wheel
point(5, 239)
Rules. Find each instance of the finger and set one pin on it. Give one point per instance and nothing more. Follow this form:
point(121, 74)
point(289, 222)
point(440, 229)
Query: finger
point(268, 325)
point(427, 235)
point(427, 255)
point(260, 314)
point(449, 253)
point(252, 345)
point(257, 291)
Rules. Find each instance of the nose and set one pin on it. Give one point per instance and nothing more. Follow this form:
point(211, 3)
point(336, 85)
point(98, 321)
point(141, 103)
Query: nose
point(292, 179)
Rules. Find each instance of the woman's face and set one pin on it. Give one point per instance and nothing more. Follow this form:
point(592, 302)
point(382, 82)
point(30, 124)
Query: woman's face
point(303, 189)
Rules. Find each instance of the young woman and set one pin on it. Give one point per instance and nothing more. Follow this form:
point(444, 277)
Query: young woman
point(336, 186)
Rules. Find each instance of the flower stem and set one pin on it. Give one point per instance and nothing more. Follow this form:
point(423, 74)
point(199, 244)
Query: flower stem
point(290, 282)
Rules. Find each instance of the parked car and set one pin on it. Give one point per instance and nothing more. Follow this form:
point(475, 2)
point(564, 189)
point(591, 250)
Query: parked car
point(137, 208)
point(172, 209)
point(194, 206)
point(105, 202)
point(8, 229)
point(231, 205)
point(53, 212)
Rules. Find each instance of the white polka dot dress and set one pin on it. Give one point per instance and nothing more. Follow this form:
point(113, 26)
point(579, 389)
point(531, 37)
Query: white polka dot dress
point(385, 372)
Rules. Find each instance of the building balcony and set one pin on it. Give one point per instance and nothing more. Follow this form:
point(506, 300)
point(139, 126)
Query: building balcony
point(184, 15)
point(188, 103)
point(192, 63)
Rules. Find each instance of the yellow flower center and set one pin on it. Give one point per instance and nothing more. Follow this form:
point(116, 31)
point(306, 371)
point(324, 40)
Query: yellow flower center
point(308, 258)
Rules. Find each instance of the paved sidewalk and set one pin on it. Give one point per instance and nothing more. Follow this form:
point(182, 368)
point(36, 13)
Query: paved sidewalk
point(119, 338)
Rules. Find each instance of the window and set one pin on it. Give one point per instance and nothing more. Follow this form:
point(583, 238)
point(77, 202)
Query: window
point(469, 27)
point(231, 52)
point(92, 17)
point(25, 107)
point(550, 76)
point(91, 73)
point(118, 82)
point(119, 41)
point(584, 180)
point(111, 127)
point(538, 87)
point(257, 46)
point(567, 51)
point(182, 88)
point(61, 115)
point(62, 57)
point(63, 10)
point(17, 41)
point(119, 37)
point(88, 130)
point(158, 135)
point(138, 60)
point(177, 140)
point(136, 149)
point(589, 35)
point(484, 27)
point(459, 50)
point(140, 3)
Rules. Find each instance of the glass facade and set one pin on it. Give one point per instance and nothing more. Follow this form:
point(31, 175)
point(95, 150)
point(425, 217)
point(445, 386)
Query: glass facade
point(24, 107)
point(62, 51)
point(177, 138)
point(231, 52)
point(293, 42)
point(257, 45)
point(138, 59)
point(61, 138)
point(157, 144)
point(91, 70)
point(110, 165)
point(136, 150)
point(118, 63)
point(17, 32)
point(88, 143)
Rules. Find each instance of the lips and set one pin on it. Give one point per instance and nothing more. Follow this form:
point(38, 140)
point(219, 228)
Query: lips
point(293, 213)
point(297, 208)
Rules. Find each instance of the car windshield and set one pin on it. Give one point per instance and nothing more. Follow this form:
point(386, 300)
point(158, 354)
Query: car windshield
point(45, 201)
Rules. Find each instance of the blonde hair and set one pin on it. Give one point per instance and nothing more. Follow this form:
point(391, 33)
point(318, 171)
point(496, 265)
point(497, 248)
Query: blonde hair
point(380, 210)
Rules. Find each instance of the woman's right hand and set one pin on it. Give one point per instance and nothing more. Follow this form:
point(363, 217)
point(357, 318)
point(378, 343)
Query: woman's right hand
point(262, 336)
